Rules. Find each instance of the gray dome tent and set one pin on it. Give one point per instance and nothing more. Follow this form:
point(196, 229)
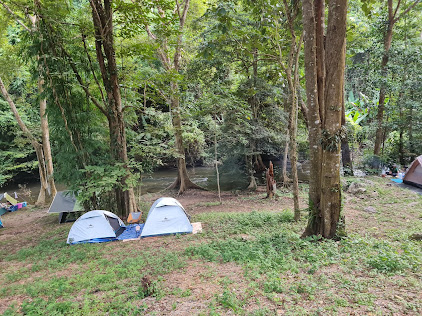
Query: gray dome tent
point(94, 227)
point(166, 216)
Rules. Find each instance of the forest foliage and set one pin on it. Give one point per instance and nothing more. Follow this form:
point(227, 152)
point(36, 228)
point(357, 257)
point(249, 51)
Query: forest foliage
point(232, 86)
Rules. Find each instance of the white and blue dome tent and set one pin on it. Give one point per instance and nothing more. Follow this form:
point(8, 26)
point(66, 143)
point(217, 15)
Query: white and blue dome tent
point(166, 216)
point(95, 227)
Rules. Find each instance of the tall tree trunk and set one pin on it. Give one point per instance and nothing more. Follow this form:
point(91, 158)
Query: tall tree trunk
point(270, 182)
point(401, 129)
point(46, 141)
point(393, 17)
point(43, 151)
point(293, 151)
point(172, 65)
point(260, 166)
point(381, 101)
point(310, 17)
point(335, 54)
point(250, 171)
point(346, 157)
point(102, 16)
point(35, 144)
point(286, 179)
point(325, 195)
point(182, 181)
point(410, 131)
point(216, 162)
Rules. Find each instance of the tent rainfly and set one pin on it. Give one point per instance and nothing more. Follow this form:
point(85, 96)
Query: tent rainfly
point(95, 227)
point(413, 175)
point(166, 216)
point(64, 202)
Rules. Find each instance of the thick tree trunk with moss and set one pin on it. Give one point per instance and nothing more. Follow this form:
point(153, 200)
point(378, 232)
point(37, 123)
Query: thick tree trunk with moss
point(102, 16)
point(326, 63)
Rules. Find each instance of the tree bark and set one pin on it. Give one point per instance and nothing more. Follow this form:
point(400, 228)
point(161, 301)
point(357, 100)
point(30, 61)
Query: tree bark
point(381, 101)
point(286, 179)
point(334, 84)
point(346, 157)
point(293, 153)
point(250, 171)
point(216, 162)
point(46, 141)
point(325, 190)
point(102, 16)
point(182, 181)
point(271, 184)
point(260, 166)
point(401, 129)
point(311, 64)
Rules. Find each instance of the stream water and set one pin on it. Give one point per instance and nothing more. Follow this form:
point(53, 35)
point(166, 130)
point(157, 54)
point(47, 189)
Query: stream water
point(231, 178)
point(151, 183)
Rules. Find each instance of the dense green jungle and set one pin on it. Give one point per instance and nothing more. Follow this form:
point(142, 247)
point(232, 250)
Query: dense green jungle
point(278, 124)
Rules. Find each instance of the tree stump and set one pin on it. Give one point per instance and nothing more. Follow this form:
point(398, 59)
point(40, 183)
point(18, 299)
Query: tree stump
point(271, 184)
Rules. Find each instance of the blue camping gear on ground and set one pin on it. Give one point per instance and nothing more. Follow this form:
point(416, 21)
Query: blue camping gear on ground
point(10, 204)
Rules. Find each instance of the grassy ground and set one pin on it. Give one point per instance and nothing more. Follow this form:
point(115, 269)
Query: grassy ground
point(249, 260)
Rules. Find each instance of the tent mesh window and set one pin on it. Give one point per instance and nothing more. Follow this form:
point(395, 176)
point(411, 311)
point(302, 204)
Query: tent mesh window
point(114, 222)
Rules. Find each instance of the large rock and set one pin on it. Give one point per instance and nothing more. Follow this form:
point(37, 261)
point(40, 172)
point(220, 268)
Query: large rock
point(356, 188)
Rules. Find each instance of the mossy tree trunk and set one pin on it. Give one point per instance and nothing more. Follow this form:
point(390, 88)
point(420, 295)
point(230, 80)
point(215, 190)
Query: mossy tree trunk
point(324, 70)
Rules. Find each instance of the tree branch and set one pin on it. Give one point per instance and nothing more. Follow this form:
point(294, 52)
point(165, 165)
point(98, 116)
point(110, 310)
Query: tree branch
point(15, 16)
point(407, 10)
point(12, 105)
point(395, 11)
point(92, 70)
point(184, 14)
point(82, 84)
point(178, 9)
point(150, 34)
